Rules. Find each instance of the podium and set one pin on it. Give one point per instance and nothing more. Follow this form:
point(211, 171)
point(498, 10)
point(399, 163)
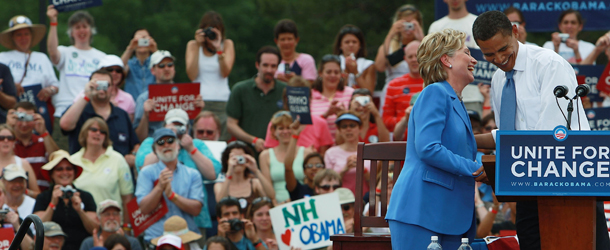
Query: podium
point(557, 170)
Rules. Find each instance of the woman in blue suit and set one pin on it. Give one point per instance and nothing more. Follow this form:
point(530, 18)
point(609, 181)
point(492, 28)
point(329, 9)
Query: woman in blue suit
point(434, 194)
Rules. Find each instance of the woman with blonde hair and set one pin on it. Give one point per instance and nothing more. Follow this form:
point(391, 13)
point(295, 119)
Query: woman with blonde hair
point(7, 157)
point(434, 195)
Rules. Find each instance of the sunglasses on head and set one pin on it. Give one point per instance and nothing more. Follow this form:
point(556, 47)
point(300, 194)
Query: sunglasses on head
point(162, 65)
point(205, 132)
point(317, 165)
point(238, 143)
point(282, 113)
point(7, 137)
point(227, 199)
point(331, 58)
point(350, 30)
point(409, 8)
point(350, 125)
point(95, 130)
point(259, 199)
point(346, 207)
point(169, 140)
point(328, 187)
point(19, 20)
point(118, 70)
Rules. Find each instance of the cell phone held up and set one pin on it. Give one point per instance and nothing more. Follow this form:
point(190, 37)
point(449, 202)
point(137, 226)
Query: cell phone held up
point(287, 68)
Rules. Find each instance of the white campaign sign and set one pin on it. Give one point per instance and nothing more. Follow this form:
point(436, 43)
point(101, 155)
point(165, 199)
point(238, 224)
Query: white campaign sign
point(307, 223)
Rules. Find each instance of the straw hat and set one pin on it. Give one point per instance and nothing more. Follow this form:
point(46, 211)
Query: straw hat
point(177, 226)
point(54, 159)
point(21, 22)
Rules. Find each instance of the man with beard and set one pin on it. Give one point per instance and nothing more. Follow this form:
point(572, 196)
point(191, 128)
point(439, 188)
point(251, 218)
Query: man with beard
point(254, 101)
point(109, 213)
point(180, 186)
point(54, 237)
point(97, 103)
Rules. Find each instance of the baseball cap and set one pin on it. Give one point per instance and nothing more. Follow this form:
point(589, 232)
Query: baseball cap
point(171, 240)
point(158, 56)
point(177, 115)
point(111, 60)
point(163, 132)
point(105, 204)
point(52, 229)
point(346, 196)
point(349, 117)
point(12, 171)
point(474, 115)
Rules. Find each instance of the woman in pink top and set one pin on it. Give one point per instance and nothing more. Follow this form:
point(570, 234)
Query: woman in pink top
point(286, 37)
point(342, 158)
point(329, 95)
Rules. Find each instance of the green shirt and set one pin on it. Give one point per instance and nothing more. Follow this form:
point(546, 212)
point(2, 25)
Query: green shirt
point(253, 108)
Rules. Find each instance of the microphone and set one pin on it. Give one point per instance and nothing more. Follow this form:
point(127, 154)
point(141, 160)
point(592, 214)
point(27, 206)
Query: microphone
point(582, 90)
point(560, 91)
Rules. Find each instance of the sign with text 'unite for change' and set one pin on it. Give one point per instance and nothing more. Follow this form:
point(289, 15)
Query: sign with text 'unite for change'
point(553, 163)
point(307, 223)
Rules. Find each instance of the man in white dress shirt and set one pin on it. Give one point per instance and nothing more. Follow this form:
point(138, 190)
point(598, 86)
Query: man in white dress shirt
point(536, 72)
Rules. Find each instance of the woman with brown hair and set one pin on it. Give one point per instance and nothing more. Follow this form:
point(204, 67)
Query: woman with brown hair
point(258, 213)
point(7, 157)
point(350, 46)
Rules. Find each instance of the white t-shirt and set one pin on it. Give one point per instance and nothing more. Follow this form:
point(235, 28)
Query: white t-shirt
point(40, 70)
point(362, 65)
point(463, 24)
point(585, 48)
point(75, 67)
point(25, 209)
point(214, 87)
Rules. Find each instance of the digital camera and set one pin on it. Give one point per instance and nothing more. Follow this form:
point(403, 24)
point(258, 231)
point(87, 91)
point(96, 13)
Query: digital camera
point(408, 26)
point(143, 42)
point(363, 100)
point(180, 130)
point(3, 213)
point(241, 159)
point(68, 192)
point(564, 37)
point(102, 85)
point(24, 117)
point(209, 33)
point(236, 224)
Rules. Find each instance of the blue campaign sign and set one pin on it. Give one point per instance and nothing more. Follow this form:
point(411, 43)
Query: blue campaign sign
point(71, 5)
point(30, 94)
point(590, 74)
point(298, 103)
point(540, 15)
point(483, 70)
point(553, 163)
point(599, 118)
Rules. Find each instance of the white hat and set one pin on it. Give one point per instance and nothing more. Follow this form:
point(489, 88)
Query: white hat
point(171, 240)
point(13, 171)
point(346, 195)
point(111, 60)
point(158, 56)
point(177, 115)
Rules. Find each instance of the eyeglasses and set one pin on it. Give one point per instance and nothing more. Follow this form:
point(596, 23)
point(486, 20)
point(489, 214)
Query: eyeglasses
point(346, 207)
point(282, 113)
point(7, 137)
point(162, 65)
point(95, 130)
point(205, 132)
point(328, 187)
point(118, 70)
point(169, 140)
point(19, 20)
point(259, 199)
point(350, 125)
point(331, 58)
point(317, 165)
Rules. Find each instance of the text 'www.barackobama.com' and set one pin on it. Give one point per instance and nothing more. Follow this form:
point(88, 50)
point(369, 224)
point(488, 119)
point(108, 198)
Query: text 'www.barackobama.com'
point(559, 184)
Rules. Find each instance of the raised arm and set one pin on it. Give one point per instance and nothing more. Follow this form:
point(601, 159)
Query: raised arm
point(52, 40)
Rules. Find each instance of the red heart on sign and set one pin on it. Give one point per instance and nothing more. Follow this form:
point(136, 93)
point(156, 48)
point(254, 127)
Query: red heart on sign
point(286, 237)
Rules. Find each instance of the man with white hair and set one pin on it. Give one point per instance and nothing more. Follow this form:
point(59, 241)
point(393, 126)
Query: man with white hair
point(168, 179)
point(109, 214)
point(54, 236)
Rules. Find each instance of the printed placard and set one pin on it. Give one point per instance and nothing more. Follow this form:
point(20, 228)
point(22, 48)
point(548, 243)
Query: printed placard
point(604, 80)
point(141, 222)
point(599, 118)
point(298, 103)
point(553, 163)
point(30, 94)
point(172, 96)
point(6, 238)
point(307, 223)
point(590, 75)
point(71, 5)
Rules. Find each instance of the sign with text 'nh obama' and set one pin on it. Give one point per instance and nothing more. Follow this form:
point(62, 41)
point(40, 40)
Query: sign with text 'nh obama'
point(540, 15)
point(308, 223)
point(71, 5)
point(483, 70)
point(553, 163)
point(173, 96)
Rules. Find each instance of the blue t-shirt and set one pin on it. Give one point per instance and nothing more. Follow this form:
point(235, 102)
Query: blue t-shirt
point(139, 77)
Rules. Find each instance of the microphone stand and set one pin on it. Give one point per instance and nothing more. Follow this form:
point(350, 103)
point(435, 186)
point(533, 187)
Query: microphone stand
point(570, 110)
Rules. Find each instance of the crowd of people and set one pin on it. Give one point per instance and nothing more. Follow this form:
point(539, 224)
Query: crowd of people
point(76, 148)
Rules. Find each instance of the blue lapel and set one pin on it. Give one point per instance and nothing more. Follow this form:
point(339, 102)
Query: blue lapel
point(458, 106)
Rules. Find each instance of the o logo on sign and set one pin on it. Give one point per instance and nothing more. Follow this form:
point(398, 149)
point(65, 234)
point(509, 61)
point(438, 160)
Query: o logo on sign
point(174, 90)
point(590, 114)
point(560, 133)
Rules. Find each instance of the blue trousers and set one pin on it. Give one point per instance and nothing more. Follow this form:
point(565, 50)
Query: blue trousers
point(408, 236)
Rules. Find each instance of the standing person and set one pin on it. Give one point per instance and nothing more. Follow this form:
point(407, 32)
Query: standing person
point(14, 182)
point(20, 38)
point(8, 93)
point(7, 157)
point(373, 129)
point(533, 73)
point(515, 16)
point(351, 48)
point(570, 48)
point(440, 152)
point(75, 63)
point(209, 61)
point(286, 37)
point(460, 19)
point(137, 74)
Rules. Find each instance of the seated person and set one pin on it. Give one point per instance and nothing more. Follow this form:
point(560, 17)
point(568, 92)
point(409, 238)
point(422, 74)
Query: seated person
point(170, 242)
point(7, 157)
point(177, 226)
point(12, 221)
point(325, 181)
point(229, 213)
point(14, 180)
point(218, 243)
point(54, 236)
point(109, 215)
point(347, 201)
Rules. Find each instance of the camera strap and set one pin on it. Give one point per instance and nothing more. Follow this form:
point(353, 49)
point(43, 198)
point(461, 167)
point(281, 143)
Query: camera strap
point(25, 71)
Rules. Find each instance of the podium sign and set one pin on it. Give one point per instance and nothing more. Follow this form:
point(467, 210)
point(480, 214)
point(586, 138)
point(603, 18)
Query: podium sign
point(552, 163)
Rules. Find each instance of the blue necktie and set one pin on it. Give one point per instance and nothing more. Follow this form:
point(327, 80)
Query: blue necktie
point(508, 109)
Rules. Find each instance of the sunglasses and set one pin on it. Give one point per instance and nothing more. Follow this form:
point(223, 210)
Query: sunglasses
point(282, 113)
point(259, 199)
point(317, 165)
point(227, 199)
point(63, 169)
point(205, 132)
point(169, 140)
point(95, 130)
point(20, 20)
point(162, 65)
point(118, 70)
point(328, 187)
point(237, 143)
point(7, 137)
point(350, 30)
point(346, 207)
point(409, 8)
point(350, 125)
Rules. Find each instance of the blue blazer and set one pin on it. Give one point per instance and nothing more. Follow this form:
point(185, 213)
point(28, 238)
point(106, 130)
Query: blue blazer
point(435, 189)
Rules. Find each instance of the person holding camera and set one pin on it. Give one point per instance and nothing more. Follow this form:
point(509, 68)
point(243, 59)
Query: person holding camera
point(350, 46)
point(72, 208)
point(180, 186)
point(373, 129)
point(14, 179)
point(8, 157)
point(232, 225)
point(566, 43)
point(136, 72)
point(293, 63)
point(209, 61)
point(10, 219)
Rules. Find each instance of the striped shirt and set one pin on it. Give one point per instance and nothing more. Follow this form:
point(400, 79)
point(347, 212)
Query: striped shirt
point(320, 104)
point(397, 99)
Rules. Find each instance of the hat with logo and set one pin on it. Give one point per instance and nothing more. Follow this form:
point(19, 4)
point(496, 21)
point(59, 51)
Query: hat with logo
point(105, 204)
point(21, 22)
point(177, 115)
point(158, 56)
point(52, 229)
point(171, 240)
point(13, 171)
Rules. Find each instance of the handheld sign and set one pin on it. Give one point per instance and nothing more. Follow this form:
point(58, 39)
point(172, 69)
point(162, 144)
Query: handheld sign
point(590, 74)
point(71, 5)
point(172, 96)
point(599, 118)
point(30, 94)
point(483, 70)
point(603, 84)
point(298, 104)
point(6, 238)
point(552, 163)
point(141, 222)
point(307, 223)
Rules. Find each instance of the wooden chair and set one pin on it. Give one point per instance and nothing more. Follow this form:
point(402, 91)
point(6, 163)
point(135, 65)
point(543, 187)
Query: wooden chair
point(382, 153)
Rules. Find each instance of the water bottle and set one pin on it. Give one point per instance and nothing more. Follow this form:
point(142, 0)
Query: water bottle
point(434, 245)
point(465, 245)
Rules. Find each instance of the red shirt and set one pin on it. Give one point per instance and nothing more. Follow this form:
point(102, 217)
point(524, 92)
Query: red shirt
point(36, 154)
point(372, 135)
point(397, 98)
